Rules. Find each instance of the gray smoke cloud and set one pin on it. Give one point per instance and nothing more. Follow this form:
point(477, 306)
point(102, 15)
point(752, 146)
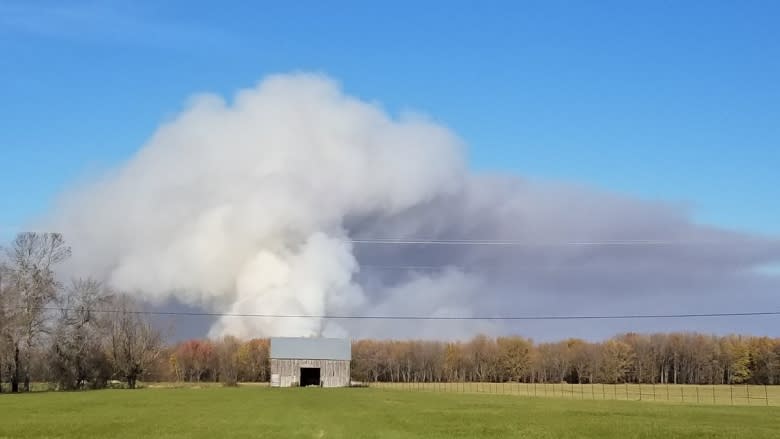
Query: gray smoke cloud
point(252, 206)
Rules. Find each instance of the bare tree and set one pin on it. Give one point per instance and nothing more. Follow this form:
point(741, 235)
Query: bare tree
point(228, 358)
point(3, 320)
point(134, 344)
point(76, 356)
point(32, 286)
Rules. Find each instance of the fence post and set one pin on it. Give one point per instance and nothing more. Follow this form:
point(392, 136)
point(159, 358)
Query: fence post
point(640, 390)
point(682, 393)
point(667, 392)
point(713, 394)
point(766, 395)
point(731, 388)
point(534, 388)
point(626, 391)
point(653, 390)
point(747, 389)
point(697, 394)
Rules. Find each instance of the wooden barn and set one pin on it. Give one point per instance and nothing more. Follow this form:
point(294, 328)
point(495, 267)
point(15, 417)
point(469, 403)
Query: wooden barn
point(322, 362)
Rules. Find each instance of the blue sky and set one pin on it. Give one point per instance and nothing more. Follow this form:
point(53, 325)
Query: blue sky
point(661, 100)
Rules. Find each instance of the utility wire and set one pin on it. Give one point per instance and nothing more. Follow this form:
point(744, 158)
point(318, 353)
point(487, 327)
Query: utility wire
point(408, 317)
point(481, 267)
point(617, 242)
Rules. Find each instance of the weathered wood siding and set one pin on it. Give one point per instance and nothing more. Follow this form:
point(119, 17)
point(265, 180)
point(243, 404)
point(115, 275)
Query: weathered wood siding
point(333, 373)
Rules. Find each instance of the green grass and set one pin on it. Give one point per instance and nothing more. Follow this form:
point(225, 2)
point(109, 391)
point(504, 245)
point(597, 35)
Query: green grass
point(252, 412)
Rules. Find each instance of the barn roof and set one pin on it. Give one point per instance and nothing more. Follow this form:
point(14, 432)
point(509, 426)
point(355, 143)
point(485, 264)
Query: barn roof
point(311, 349)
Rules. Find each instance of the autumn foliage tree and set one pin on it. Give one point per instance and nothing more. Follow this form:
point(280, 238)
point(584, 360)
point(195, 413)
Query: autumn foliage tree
point(196, 361)
point(253, 360)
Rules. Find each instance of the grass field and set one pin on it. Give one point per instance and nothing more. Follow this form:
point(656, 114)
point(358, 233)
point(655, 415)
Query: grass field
point(692, 394)
point(262, 412)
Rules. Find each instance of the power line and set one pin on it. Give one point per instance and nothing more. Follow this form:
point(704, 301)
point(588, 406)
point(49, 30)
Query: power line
point(617, 242)
point(409, 317)
point(482, 267)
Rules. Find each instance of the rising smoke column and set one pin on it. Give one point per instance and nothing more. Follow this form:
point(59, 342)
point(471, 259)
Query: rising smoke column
point(251, 206)
point(240, 206)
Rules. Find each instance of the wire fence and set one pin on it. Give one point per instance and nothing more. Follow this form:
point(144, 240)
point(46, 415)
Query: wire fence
point(734, 394)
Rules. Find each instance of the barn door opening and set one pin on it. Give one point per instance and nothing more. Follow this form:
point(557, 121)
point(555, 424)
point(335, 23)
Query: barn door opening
point(310, 376)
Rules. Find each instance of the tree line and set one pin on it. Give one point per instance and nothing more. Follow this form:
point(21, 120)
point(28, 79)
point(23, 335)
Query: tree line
point(666, 358)
point(671, 358)
point(50, 332)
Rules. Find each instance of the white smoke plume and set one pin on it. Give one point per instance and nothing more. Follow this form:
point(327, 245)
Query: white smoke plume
point(240, 206)
point(251, 206)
